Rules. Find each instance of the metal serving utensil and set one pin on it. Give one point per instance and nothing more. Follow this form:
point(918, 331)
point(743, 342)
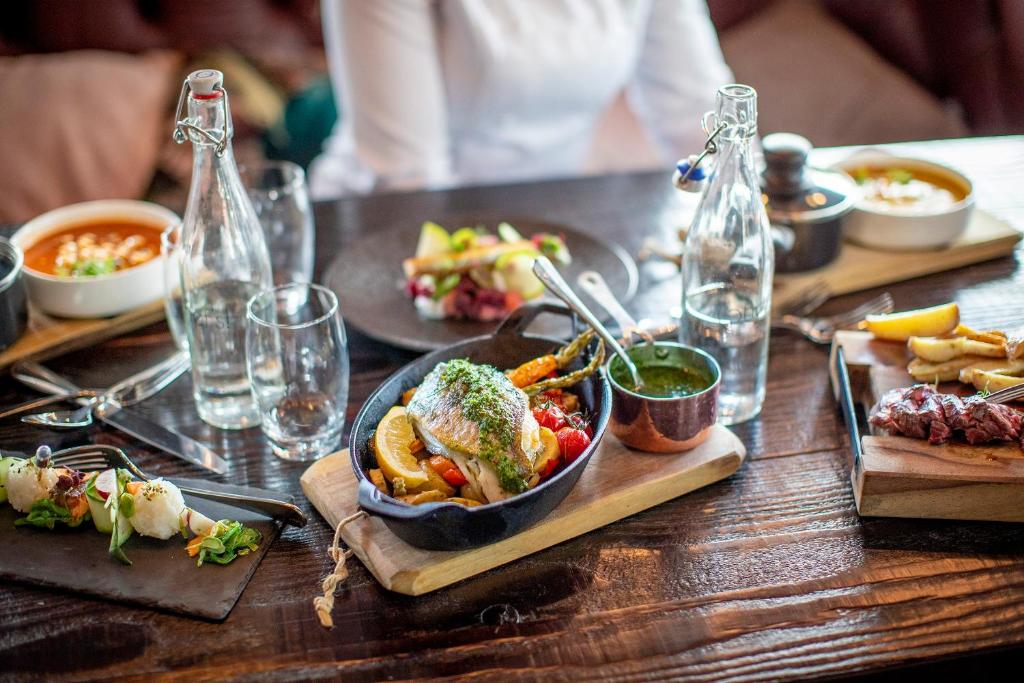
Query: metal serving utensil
point(1005, 395)
point(127, 392)
point(593, 284)
point(546, 273)
point(100, 457)
point(821, 329)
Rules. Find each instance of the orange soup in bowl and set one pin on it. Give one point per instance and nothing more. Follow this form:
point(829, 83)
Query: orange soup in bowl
point(96, 247)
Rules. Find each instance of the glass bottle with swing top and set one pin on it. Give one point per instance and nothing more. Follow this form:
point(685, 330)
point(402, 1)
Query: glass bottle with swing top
point(728, 258)
point(224, 259)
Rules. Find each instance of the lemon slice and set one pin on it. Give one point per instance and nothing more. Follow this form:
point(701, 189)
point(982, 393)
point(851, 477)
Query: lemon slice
point(391, 442)
point(433, 240)
point(925, 322)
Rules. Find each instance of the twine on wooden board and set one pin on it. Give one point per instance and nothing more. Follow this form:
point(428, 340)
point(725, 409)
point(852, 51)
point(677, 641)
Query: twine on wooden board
point(324, 604)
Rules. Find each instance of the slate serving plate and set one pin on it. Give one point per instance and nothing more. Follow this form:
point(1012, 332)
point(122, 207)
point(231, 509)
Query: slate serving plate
point(448, 526)
point(367, 277)
point(162, 574)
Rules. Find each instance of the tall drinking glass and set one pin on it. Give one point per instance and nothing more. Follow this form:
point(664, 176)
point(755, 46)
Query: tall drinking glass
point(281, 199)
point(170, 252)
point(298, 367)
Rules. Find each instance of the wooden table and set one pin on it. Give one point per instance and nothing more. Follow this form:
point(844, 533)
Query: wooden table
point(769, 575)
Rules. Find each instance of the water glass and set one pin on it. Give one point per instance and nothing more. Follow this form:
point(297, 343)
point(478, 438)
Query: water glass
point(297, 358)
point(281, 198)
point(170, 252)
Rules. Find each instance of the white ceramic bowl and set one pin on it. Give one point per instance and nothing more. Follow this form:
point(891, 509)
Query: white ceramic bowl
point(103, 295)
point(897, 229)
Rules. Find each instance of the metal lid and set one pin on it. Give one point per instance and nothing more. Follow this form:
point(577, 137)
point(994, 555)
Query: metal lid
point(797, 193)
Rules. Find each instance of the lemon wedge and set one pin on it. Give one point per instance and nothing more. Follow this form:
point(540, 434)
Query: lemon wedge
point(925, 322)
point(391, 442)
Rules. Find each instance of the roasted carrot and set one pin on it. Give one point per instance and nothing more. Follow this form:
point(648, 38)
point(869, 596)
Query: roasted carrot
point(415, 446)
point(533, 371)
point(407, 396)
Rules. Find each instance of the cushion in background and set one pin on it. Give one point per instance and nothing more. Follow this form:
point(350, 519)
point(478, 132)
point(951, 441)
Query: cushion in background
point(81, 125)
point(784, 51)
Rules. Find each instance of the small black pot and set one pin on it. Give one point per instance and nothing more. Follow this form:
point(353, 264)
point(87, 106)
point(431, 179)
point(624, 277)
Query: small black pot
point(448, 526)
point(13, 302)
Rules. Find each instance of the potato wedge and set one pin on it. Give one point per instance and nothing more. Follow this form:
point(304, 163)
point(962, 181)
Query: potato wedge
point(464, 501)
point(434, 482)
point(431, 496)
point(925, 322)
point(989, 337)
point(995, 380)
point(949, 371)
point(377, 477)
point(550, 450)
point(940, 350)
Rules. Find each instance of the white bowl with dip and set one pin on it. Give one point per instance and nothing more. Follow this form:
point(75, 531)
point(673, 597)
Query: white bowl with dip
point(906, 204)
point(94, 296)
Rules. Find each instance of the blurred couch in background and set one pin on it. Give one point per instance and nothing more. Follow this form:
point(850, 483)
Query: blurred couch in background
point(839, 72)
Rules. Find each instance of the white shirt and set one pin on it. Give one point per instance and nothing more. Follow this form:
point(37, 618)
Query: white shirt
point(436, 93)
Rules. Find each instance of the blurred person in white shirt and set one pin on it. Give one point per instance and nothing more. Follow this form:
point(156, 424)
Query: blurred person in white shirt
point(442, 93)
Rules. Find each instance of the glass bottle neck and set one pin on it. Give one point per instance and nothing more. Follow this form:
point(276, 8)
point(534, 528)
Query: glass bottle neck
point(736, 110)
point(210, 115)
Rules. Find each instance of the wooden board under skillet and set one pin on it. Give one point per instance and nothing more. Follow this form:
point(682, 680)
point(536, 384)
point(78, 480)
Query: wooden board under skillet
point(367, 277)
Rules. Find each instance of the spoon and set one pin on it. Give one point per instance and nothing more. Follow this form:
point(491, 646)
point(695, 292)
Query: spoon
point(547, 274)
point(593, 284)
point(64, 419)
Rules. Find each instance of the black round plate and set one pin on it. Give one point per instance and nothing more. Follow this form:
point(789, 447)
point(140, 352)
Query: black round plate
point(367, 277)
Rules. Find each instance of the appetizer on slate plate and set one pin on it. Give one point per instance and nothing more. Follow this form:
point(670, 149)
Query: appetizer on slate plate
point(472, 434)
point(473, 275)
point(117, 505)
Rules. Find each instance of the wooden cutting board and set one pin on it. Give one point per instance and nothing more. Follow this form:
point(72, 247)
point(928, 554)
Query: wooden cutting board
point(901, 477)
point(617, 483)
point(47, 337)
point(859, 268)
point(162, 575)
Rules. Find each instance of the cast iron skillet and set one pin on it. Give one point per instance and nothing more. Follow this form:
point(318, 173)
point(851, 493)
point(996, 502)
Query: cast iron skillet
point(448, 526)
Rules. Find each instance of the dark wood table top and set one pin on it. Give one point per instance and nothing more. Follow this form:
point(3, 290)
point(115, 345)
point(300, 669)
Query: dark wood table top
point(768, 575)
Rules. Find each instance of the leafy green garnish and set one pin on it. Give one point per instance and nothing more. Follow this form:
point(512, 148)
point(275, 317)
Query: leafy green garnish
point(554, 248)
point(44, 514)
point(447, 284)
point(229, 540)
point(899, 175)
point(89, 268)
point(463, 239)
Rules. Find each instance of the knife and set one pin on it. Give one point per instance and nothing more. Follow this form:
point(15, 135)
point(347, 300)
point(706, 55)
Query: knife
point(181, 446)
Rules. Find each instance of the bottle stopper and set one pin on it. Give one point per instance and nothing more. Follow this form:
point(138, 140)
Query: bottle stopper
point(206, 83)
point(689, 176)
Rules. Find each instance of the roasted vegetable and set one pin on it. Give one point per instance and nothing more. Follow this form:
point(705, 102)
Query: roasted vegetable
point(940, 350)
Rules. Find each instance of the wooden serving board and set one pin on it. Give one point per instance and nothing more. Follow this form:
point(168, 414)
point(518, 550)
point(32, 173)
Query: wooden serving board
point(897, 476)
point(47, 337)
point(859, 268)
point(162, 575)
point(617, 483)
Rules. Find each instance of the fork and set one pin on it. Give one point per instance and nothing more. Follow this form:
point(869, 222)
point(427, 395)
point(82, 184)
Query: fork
point(1005, 395)
point(821, 330)
point(97, 457)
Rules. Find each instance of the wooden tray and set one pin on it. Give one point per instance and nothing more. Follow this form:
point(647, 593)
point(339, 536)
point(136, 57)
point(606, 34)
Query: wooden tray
point(617, 483)
point(859, 268)
point(47, 337)
point(902, 477)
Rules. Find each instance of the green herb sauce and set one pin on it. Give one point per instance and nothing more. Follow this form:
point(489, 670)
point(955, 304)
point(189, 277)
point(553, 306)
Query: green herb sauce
point(664, 381)
point(487, 394)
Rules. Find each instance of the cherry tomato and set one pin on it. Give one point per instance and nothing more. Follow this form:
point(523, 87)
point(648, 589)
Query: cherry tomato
point(455, 477)
point(572, 442)
point(550, 467)
point(577, 421)
point(550, 416)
